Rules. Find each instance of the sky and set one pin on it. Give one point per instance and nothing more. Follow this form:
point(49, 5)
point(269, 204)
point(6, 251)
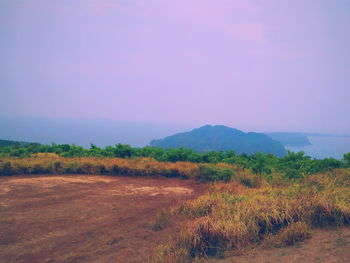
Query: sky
point(256, 65)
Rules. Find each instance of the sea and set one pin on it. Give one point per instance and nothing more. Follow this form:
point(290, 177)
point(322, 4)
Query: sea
point(325, 147)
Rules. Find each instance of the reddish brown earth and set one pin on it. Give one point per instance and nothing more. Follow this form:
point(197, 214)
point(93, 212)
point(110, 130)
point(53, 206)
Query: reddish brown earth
point(85, 218)
point(325, 246)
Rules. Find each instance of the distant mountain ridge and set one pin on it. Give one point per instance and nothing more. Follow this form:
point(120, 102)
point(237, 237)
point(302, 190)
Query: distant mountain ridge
point(290, 138)
point(5, 143)
point(222, 138)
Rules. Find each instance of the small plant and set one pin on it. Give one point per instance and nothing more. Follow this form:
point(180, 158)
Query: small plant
point(213, 174)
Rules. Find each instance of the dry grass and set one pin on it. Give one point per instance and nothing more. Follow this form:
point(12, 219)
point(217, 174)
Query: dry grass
point(53, 164)
point(289, 236)
point(248, 209)
point(231, 216)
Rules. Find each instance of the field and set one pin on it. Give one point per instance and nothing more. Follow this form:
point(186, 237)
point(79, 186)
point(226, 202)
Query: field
point(63, 210)
point(84, 218)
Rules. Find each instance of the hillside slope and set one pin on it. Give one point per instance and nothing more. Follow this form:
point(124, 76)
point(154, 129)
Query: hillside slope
point(222, 138)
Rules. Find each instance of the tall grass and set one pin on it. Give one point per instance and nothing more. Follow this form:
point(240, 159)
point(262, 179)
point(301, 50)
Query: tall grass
point(231, 216)
point(50, 163)
point(239, 208)
point(53, 164)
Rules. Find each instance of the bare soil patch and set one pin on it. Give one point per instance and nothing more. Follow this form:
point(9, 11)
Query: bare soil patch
point(325, 246)
point(84, 218)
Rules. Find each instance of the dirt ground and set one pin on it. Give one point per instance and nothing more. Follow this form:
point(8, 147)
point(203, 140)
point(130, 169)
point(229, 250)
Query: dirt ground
point(84, 218)
point(325, 246)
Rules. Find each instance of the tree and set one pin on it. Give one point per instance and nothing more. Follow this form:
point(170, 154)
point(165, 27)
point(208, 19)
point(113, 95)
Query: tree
point(346, 159)
point(124, 150)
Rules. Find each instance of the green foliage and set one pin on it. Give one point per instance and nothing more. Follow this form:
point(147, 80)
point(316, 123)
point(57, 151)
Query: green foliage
point(292, 166)
point(211, 174)
point(346, 160)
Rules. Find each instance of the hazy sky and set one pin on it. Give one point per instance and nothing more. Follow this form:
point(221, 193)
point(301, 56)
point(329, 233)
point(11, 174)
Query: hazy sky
point(258, 65)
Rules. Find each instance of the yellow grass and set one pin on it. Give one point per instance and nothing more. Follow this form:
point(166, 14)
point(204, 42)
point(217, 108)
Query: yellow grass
point(231, 216)
point(249, 209)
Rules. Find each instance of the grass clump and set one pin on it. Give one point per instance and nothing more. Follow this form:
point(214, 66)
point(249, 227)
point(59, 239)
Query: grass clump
point(290, 235)
point(213, 173)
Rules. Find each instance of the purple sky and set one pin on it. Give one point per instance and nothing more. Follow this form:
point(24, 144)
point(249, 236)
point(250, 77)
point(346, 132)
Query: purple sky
point(263, 65)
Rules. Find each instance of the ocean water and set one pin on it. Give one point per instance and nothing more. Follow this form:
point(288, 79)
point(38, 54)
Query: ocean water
point(325, 146)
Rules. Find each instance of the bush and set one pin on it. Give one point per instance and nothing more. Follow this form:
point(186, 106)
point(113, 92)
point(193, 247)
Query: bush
point(175, 173)
point(213, 174)
point(293, 174)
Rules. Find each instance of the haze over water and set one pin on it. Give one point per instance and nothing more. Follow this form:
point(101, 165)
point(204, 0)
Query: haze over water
point(249, 64)
point(325, 146)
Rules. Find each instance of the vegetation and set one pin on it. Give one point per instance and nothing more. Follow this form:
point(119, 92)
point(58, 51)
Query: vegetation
point(258, 198)
point(293, 165)
point(231, 216)
point(54, 164)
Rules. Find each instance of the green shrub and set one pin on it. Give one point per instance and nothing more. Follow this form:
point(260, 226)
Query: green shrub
point(293, 174)
point(213, 174)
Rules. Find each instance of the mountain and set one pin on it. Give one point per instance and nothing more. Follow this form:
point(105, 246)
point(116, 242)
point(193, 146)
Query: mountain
point(222, 138)
point(290, 138)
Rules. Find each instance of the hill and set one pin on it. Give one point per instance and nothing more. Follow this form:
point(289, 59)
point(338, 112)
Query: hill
point(222, 138)
point(290, 138)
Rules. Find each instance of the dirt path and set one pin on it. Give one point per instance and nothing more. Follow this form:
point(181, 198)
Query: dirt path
point(85, 218)
point(325, 246)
